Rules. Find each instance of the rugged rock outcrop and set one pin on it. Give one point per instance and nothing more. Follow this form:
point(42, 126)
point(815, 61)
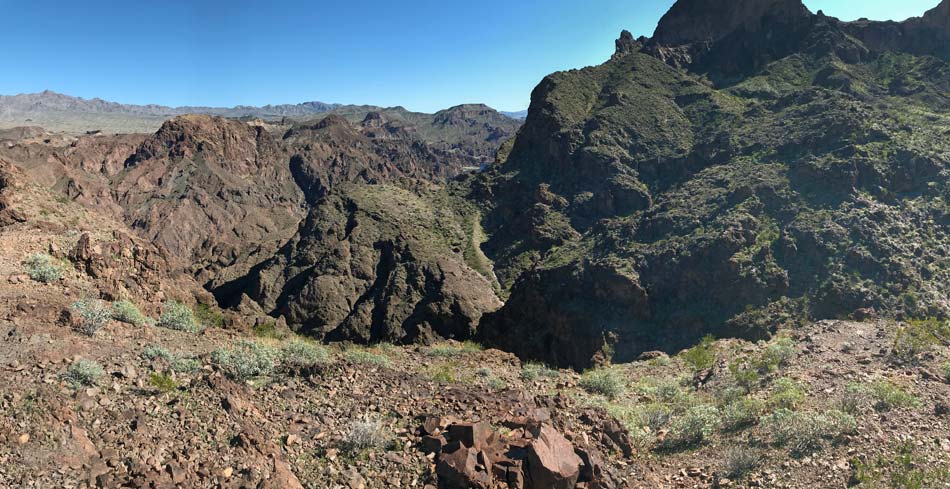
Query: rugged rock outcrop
point(642, 206)
point(209, 190)
point(533, 454)
point(929, 34)
point(8, 183)
point(373, 263)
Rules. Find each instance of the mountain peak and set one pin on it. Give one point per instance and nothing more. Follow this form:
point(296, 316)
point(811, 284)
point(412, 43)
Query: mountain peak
point(690, 21)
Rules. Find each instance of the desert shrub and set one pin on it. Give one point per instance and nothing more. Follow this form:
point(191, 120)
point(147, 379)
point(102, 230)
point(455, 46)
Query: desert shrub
point(691, 428)
point(43, 268)
point(702, 356)
point(742, 460)
point(162, 382)
point(93, 315)
point(918, 337)
point(267, 329)
point(368, 358)
point(447, 350)
point(803, 432)
point(497, 384)
point(127, 312)
point(208, 317)
point(247, 359)
point(775, 355)
point(729, 395)
point(854, 398)
point(669, 391)
point(746, 376)
point(303, 355)
point(366, 434)
point(787, 394)
point(887, 396)
point(184, 365)
point(654, 416)
point(532, 371)
point(905, 470)
point(945, 370)
point(484, 372)
point(151, 352)
point(605, 381)
point(83, 373)
point(178, 317)
point(740, 413)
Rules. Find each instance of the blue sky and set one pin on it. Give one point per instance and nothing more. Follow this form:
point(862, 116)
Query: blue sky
point(423, 54)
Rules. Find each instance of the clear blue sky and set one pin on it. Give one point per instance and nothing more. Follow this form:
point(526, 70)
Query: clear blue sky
point(422, 54)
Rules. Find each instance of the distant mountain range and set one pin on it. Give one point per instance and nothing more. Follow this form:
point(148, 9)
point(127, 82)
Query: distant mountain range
point(59, 112)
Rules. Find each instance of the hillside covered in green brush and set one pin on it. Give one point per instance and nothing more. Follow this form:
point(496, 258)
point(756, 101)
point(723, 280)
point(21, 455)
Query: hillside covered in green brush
point(752, 165)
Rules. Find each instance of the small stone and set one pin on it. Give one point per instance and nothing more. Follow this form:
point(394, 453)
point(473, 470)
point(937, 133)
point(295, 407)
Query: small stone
point(23, 439)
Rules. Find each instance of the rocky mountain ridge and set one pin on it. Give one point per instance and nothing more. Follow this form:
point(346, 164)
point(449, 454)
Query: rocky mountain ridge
point(58, 112)
point(726, 176)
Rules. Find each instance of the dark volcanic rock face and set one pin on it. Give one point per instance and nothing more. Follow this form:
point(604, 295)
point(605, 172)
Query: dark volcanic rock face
point(643, 206)
point(929, 34)
point(373, 263)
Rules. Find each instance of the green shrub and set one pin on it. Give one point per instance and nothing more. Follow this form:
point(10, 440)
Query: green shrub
point(691, 428)
point(43, 268)
point(366, 434)
point(887, 396)
point(127, 312)
point(742, 460)
point(178, 317)
point(945, 370)
point(741, 413)
point(803, 432)
point(447, 350)
point(497, 384)
point(208, 317)
point(918, 337)
point(246, 360)
point(267, 329)
point(93, 315)
point(368, 358)
point(854, 398)
point(654, 416)
point(905, 470)
point(532, 371)
point(606, 382)
point(162, 382)
point(668, 391)
point(83, 373)
point(303, 355)
point(774, 356)
point(184, 365)
point(483, 372)
point(151, 352)
point(745, 375)
point(787, 394)
point(701, 356)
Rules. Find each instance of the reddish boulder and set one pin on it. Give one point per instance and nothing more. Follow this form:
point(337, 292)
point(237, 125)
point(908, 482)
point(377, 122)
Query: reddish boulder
point(551, 462)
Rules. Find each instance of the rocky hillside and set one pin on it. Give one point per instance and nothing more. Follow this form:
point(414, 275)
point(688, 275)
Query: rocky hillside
point(751, 165)
point(223, 196)
point(375, 263)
